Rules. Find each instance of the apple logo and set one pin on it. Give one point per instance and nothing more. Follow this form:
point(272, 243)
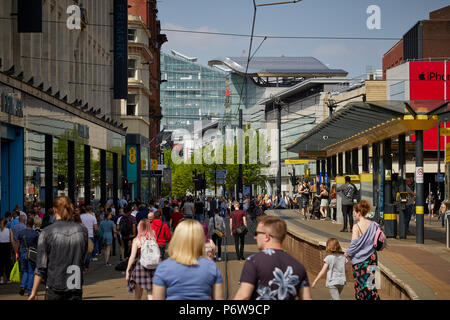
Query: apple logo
point(422, 76)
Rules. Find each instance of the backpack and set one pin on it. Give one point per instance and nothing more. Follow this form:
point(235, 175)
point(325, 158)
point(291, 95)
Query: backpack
point(352, 193)
point(125, 226)
point(150, 254)
point(379, 241)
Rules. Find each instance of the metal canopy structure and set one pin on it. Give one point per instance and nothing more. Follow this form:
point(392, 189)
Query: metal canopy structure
point(278, 66)
point(362, 123)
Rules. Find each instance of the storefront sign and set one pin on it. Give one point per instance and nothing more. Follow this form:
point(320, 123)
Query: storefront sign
point(313, 154)
point(11, 104)
point(447, 153)
point(120, 49)
point(445, 132)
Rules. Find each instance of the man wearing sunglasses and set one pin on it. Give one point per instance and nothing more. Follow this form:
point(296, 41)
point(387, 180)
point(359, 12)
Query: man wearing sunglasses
point(272, 273)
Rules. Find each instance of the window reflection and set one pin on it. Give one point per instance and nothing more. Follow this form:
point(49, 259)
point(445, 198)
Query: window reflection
point(95, 177)
point(34, 169)
point(109, 175)
point(60, 167)
point(79, 173)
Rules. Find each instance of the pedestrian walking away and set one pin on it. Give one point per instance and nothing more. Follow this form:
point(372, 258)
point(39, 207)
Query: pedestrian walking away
point(238, 221)
point(272, 274)
point(6, 240)
point(137, 276)
point(161, 230)
point(363, 255)
point(187, 275)
point(90, 222)
point(127, 229)
point(27, 238)
point(334, 267)
point(217, 229)
point(347, 191)
point(61, 253)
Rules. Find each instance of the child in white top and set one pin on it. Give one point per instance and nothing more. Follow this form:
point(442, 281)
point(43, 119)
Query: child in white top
point(334, 266)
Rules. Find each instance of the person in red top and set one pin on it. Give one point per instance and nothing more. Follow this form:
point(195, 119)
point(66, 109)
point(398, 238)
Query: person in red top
point(238, 218)
point(176, 218)
point(162, 232)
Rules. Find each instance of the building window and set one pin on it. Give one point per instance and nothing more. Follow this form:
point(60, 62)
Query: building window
point(132, 68)
point(132, 35)
point(131, 105)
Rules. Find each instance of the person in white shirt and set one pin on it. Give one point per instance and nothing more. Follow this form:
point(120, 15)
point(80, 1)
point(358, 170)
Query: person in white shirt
point(135, 210)
point(90, 222)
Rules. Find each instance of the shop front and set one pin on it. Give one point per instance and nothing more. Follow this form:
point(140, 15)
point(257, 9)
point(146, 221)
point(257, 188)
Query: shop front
point(48, 151)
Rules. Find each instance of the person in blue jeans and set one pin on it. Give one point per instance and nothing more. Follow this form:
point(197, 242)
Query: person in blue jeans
point(27, 238)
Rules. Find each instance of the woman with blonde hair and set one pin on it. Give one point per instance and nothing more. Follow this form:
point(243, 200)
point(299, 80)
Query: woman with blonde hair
point(139, 278)
point(187, 274)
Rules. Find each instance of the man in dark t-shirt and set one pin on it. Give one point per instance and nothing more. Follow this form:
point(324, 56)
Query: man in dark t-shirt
point(272, 274)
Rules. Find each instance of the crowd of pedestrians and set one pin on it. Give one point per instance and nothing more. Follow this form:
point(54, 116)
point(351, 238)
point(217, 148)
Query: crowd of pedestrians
point(170, 247)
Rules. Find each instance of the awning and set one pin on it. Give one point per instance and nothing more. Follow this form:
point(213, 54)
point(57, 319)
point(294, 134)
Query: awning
point(361, 123)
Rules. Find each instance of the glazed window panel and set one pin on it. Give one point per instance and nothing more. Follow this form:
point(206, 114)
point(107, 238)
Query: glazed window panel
point(60, 167)
point(34, 168)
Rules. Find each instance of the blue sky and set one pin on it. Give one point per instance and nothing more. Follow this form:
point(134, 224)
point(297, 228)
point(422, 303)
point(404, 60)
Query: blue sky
point(333, 18)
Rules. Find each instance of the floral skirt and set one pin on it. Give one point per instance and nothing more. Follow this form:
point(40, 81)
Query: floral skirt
point(364, 275)
point(141, 277)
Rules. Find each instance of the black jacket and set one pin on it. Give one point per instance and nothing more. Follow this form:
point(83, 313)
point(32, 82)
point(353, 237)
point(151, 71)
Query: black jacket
point(61, 253)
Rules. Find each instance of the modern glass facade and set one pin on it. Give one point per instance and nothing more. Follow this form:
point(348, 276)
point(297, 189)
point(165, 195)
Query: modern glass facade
point(192, 92)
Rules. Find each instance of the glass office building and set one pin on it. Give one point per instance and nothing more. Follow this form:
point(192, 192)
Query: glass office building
point(190, 91)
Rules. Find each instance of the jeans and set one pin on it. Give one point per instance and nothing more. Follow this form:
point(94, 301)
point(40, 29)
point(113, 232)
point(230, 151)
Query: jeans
point(89, 255)
point(218, 242)
point(28, 273)
point(347, 212)
point(199, 217)
point(239, 249)
point(408, 214)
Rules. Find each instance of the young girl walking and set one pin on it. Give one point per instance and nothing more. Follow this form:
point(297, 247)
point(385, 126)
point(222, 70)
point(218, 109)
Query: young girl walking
point(334, 266)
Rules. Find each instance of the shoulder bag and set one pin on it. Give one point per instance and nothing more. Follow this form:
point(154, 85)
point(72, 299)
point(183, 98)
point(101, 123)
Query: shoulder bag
point(31, 252)
point(216, 231)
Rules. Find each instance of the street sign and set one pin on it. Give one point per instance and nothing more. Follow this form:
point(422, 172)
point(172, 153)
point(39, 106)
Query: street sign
point(419, 175)
point(221, 175)
point(218, 171)
point(221, 182)
point(296, 161)
point(154, 164)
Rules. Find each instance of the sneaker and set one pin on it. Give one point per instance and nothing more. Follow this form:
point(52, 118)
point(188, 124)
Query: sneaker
point(22, 291)
point(94, 259)
point(343, 230)
point(108, 264)
point(333, 221)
